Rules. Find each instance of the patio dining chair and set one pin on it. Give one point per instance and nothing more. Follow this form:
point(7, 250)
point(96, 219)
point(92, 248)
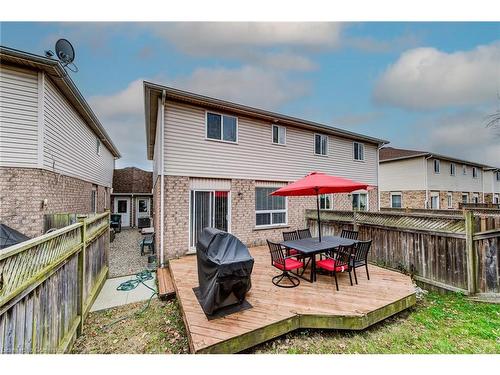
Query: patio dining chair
point(148, 241)
point(286, 264)
point(291, 236)
point(360, 257)
point(304, 233)
point(341, 263)
point(350, 234)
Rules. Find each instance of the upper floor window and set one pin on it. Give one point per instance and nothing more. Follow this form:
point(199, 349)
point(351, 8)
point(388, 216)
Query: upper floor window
point(452, 169)
point(498, 175)
point(359, 151)
point(474, 172)
point(279, 135)
point(222, 127)
point(320, 144)
point(326, 202)
point(437, 166)
point(396, 201)
point(269, 209)
point(98, 146)
point(464, 169)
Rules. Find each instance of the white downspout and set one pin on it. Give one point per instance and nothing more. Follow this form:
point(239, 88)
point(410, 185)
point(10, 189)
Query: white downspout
point(162, 177)
point(378, 173)
point(426, 169)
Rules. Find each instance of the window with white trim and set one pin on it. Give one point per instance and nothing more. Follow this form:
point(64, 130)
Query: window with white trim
point(279, 135)
point(474, 172)
point(222, 127)
point(464, 169)
point(452, 169)
point(359, 151)
point(498, 175)
point(496, 199)
point(93, 199)
point(269, 209)
point(396, 200)
point(449, 198)
point(465, 198)
point(360, 201)
point(475, 198)
point(435, 200)
point(326, 202)
point(437, 166)
point(320, 144)
point(98, 146)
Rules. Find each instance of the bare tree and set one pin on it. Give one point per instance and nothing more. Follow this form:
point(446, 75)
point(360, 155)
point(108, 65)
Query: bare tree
point(493, 120)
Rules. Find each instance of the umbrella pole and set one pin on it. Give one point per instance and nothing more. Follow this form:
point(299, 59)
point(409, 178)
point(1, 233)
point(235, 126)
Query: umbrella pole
point(319, 219)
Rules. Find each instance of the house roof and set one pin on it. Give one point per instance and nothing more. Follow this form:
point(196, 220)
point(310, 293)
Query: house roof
point(388, 154)
point(132, 180)
point(64, 83)
point(153, 92)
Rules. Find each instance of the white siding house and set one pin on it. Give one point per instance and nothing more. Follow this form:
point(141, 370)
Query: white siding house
point(55, 156)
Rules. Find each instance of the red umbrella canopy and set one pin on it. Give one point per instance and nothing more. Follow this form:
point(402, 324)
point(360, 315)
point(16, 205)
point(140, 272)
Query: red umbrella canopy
point(320, 183)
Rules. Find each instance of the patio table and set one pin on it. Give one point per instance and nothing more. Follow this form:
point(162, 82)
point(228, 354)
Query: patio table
point(309, 247)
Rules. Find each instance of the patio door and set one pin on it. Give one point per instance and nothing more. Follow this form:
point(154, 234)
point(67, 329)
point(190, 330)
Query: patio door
point(122, 207)
point(208, 209)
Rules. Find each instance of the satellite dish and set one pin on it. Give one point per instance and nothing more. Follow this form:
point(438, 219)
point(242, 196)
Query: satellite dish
point(65, 51)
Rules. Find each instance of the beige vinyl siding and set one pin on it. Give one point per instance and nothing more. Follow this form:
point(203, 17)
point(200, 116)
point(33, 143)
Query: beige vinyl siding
point(188, 153)
point(18, 118)
point(445, 182)
point(70, 145)
point(407, 174)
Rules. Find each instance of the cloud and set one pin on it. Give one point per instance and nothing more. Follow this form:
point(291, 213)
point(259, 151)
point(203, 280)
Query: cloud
point(426, 78)
point(462, 134)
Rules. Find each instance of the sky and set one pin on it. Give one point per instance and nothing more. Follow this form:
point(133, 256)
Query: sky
point(427, 86)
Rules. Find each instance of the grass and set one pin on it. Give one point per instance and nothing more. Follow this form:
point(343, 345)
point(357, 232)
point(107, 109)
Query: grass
point(437, 324)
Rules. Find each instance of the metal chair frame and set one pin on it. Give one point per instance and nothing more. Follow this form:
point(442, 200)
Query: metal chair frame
point(343, 257)
point(350, 234)
point(278, 257)
point(360, 257)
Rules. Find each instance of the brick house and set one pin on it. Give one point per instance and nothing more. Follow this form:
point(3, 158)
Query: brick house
point(421, 179)
point(215, 163)
point(132, 196)
point(55, 156)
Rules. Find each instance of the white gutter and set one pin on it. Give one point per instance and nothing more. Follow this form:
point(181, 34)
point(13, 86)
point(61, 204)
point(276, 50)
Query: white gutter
point(162, 178)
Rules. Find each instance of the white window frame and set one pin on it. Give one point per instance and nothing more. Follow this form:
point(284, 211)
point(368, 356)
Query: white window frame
point(435, 194)
point(362, 145)
point(475, 196)
point(331, 202)
point(98, 146)
point(464, 169)
point(466, 195)
point(498, 175)
point(449, 200)
point(272, 225)
point(367, 199)
point(396, 193)
point(437, 163)
point(496, 199)
point(279, 127)
point(474, 172)
point(93, 199)
point(326, 145)
point(453, 169)
point(222, 128)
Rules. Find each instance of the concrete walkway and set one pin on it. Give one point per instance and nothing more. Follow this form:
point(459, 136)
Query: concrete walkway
point(110, 297)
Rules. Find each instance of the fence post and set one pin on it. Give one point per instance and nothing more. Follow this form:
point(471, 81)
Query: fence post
point(470, 252)
point(354, 220)
point(81, 274)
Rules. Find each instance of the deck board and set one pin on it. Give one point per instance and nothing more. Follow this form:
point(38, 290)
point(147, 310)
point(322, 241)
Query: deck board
point(166, 288)
point(277, 311)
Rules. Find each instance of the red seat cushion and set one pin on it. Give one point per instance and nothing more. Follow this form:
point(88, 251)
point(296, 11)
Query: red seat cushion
point(329, 265)
point(290, 264)
point(294, 252)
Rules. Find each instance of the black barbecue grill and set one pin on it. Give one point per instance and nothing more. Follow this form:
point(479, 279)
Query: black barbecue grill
point(224, 269)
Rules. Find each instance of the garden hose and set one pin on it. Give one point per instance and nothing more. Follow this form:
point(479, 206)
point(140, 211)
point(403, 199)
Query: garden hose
point(128, 285)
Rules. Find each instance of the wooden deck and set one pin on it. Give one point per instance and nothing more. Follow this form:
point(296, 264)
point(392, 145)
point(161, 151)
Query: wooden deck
point(277, 311)
point(166, 288)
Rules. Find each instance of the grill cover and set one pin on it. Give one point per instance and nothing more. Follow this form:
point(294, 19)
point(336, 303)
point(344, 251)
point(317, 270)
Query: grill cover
point(224, 269)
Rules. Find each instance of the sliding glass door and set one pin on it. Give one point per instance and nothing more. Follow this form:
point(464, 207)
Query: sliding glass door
point(208, 209)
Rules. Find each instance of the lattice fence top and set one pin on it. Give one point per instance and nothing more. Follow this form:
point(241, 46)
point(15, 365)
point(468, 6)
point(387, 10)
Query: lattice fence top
point(448, 223)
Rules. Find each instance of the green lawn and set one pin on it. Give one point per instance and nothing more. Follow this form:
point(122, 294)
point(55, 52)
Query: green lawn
point(437, 324)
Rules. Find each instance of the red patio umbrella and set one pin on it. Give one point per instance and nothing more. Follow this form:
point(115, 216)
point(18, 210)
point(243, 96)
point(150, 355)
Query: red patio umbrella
point(316, 183)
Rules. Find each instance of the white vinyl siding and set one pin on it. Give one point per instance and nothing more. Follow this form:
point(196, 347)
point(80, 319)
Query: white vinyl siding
point(187, 153)
point(18, 118)
point(459, 182)
point(70, 145)
point(402, 175)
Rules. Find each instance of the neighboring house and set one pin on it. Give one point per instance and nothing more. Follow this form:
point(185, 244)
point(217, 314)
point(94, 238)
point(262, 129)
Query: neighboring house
point(215, 164)
point(421, 179)
point(132, 196)
point(55, 156)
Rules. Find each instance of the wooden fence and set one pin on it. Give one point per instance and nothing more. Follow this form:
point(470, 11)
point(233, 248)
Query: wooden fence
point(442, 251)
point(49, 283)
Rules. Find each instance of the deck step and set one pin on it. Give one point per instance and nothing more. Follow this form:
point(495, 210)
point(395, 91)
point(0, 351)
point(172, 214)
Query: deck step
point(165, 284)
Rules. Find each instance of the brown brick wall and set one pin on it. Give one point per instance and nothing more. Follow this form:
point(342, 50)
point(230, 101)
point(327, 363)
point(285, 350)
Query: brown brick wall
point(176, 221)
point(24, 189)
point(409, 199)
point(343, 202)
point(488, 198)
point(132, 180)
